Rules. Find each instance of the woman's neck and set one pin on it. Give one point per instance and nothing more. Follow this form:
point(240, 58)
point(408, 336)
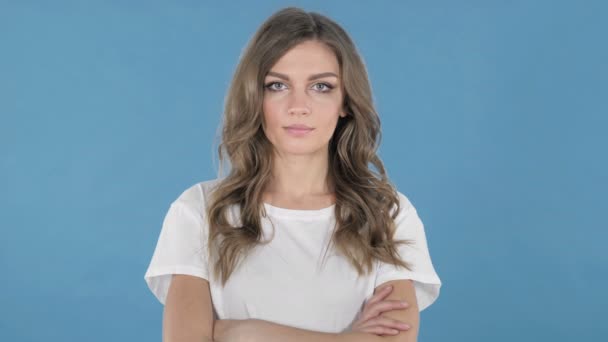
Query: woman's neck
point(300, 181)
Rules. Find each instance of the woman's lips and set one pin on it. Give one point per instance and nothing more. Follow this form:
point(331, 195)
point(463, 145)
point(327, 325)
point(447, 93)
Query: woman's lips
point(298, 131)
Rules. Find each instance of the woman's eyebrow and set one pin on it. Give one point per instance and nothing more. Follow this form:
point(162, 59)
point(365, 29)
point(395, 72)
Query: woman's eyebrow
point(312, 77)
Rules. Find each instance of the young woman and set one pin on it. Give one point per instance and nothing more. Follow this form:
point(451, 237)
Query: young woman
point(302, 239)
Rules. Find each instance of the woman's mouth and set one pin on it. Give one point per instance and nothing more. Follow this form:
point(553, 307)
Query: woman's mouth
point(298, 130)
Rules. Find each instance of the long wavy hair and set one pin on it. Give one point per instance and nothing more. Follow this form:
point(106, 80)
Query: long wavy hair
point(366, 202)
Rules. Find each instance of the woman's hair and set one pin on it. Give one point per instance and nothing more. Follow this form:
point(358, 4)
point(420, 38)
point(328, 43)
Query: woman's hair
point(364, 198)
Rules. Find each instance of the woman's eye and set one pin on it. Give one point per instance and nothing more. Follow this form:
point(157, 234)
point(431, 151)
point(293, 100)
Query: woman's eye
point(278, 86)
point(271, 86)
point(323, 87)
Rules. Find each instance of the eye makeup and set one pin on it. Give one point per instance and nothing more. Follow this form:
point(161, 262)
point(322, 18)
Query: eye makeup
point(270, 86)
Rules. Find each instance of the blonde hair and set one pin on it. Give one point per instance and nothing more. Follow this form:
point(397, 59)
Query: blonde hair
point(366, 202)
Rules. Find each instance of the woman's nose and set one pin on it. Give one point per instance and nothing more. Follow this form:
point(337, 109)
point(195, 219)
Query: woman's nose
point(298, 103)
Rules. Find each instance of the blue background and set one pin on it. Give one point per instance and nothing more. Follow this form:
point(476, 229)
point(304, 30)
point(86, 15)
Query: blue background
point(494, 125)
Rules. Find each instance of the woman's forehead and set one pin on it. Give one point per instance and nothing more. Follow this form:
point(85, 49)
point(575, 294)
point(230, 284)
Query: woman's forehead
point(310, 57)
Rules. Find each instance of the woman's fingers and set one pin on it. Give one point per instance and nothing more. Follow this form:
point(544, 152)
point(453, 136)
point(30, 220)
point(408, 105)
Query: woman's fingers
point(383, 326)
point(380, 331)
point(377, 308)
point(384, 322)
point(372, 322)
point(381, 294)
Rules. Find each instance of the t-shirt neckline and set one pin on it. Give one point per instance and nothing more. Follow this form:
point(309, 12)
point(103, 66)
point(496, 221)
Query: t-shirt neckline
point(299, 213)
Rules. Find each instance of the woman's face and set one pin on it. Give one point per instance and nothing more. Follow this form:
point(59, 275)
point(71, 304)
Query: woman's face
point(303, 99)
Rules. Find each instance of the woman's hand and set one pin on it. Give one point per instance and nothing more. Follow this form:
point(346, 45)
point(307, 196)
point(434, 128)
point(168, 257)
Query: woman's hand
point(229, 330)
point(370, 321)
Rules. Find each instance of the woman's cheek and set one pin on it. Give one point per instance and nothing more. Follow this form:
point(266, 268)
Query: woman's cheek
point(324, 96)
point(272, 108)
point(276, 96)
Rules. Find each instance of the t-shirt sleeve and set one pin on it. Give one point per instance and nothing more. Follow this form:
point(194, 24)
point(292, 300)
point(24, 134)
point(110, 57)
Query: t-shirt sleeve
point(181, 249)
point(426, 281)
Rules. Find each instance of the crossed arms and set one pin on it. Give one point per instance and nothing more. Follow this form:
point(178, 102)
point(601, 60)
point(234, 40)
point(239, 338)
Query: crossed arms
point(188, 317)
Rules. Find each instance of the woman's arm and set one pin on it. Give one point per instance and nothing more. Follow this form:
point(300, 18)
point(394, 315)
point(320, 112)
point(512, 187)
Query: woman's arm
point(255, 330)
point(188, 315)
point(265, 331)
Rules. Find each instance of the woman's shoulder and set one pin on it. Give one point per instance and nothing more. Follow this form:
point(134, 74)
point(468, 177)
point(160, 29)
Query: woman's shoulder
point(197, 193)
point(405, 204)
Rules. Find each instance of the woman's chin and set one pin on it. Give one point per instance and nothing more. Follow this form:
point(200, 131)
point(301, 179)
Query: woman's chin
point(300, 151)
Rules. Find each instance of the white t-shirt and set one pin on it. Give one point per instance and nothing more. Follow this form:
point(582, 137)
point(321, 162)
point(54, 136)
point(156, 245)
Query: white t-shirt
point(285, 281)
